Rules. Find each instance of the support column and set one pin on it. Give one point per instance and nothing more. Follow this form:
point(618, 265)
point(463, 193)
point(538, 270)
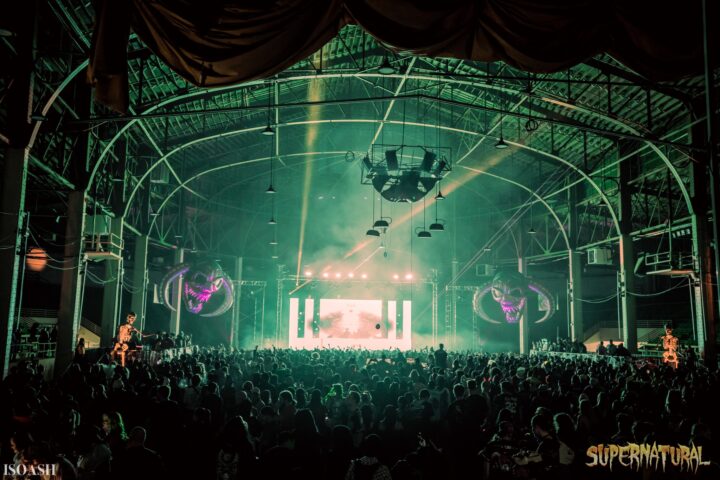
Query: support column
point(711, 140)
point(177, 299)
point(111, 289)
point(575, 292)
point(14, 174)
point(627, 284)
point(627, 260)
point(450, 336)
point(138, 302)
point(236, 312)
point(524, 323)
point(71, 289)
point(703, 203)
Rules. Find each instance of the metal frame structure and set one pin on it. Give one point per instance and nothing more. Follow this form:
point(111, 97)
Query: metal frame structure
point(628, 158)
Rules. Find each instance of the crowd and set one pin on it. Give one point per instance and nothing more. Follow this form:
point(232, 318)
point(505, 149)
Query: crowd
point(352, 414)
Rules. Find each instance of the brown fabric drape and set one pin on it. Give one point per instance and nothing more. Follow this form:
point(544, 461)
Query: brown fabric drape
point(216, 42)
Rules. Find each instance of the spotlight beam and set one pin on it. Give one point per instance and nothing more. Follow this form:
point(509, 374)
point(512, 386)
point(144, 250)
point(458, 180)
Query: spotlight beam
point(314, 94)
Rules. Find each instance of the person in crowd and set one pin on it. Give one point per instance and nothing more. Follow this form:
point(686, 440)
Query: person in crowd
point(80, 351)
point(137, 461)
point(114, 428)
point(621, 351)
point(441, 357)
point(369, 466)
point(303, 413)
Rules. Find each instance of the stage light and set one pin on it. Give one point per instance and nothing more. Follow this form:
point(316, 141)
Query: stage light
point(409, 276)
point(368, 166)
point(363, 276)
point(268, 131)
point(396, 277)
point(351, 275)
point(308, 273)
point(427, 161)
point(391, 159)
point(442, 164)
point(326, 275)
point(372, 233)
point(501, 145)
point(338, 275)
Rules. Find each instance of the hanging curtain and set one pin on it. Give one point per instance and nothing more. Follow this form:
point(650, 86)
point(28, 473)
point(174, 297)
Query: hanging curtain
point(214, 42)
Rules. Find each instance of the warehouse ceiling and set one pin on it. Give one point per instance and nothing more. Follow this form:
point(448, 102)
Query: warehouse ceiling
point(190, 166)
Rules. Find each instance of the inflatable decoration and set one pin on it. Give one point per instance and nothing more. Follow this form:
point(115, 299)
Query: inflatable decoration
point(201, 282)
point(510, 290)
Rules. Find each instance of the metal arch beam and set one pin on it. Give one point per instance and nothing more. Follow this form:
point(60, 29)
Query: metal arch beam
point(332, 152)
point(531, 192)
point(245, 130)
point(223, 167)
point(547, 99)
point(579, 171)
point(52, 98)
point(189, 96)
point(634, 131)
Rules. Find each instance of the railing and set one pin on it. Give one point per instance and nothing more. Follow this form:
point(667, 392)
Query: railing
point(615, 361)
point(28, 313)
point(25, 350)
point(613, 324)
point(38, 313)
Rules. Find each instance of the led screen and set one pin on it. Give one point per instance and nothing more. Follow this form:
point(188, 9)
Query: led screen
point(350, 323)
point(341, 318)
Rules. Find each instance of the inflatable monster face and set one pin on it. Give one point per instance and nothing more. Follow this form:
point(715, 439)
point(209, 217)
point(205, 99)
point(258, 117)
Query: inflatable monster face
point(201, 282)
point(510, 290)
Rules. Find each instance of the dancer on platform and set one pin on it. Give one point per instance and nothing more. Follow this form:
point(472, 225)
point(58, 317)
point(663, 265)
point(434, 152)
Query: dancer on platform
point(670, 345)
point(124, 337)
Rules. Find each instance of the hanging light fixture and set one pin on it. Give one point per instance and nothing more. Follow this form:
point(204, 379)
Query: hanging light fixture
point(531, 230)
point(380, 222)
point(268, 130)
point(386, 68)
point(271, 189)
point(439, 195)
point(437, 226)
point(501, 145)
point(272, 220)
point(424, 233)
point(372, 232)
